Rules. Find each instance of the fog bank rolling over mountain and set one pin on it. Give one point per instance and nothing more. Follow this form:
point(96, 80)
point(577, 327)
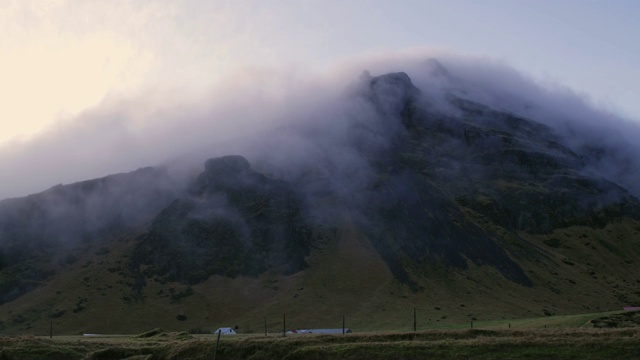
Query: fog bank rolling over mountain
point(284, 120)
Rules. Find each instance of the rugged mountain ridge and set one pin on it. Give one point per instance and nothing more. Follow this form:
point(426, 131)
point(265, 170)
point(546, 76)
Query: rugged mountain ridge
point(38, 233)
point(233, 222)
point(475, 191)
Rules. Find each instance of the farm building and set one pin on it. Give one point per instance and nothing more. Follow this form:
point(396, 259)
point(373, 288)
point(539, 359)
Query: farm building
point(225, 331)
point(319, 331)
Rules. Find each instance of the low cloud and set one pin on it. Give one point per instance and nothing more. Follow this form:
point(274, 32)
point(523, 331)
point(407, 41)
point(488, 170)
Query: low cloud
point(284, 121)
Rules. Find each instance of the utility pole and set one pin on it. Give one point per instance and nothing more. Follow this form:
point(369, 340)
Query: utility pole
point(284, 325)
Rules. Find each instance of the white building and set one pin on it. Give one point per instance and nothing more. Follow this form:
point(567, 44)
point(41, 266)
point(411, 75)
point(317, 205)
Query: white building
point(226, 331)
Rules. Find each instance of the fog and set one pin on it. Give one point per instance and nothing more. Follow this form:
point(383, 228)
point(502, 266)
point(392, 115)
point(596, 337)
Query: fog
point(284, 121)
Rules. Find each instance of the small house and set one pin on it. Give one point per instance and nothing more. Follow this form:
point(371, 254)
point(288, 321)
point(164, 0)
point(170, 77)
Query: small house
point(226, 331)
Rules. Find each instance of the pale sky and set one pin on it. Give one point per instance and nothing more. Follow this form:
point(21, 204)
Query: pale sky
point(59, 59)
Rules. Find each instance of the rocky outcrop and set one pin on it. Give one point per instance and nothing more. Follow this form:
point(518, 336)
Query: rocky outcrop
point(234, 221)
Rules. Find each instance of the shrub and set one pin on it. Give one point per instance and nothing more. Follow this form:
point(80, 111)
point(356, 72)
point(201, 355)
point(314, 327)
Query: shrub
point(553, 242)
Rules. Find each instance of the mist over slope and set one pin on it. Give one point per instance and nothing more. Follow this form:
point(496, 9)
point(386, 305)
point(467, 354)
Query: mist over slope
point(240, 115)
point(434, 176)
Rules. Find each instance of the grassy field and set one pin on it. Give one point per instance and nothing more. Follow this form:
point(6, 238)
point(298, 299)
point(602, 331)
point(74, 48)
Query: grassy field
point(556, 337)
point(578, 321)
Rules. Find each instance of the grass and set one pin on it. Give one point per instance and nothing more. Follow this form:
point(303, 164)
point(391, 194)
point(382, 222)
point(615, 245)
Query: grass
point(547, 322)
point(558, 343)
point(556, 337)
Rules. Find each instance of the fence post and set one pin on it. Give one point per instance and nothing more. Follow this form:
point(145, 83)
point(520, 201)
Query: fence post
point(215, 352)
point(414, 320)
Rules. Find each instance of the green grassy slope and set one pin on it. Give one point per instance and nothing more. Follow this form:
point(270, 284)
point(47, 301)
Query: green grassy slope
point(580, 270)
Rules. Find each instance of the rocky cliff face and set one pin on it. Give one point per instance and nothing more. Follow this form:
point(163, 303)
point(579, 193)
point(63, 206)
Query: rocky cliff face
point(520, 173)
point(233, 221)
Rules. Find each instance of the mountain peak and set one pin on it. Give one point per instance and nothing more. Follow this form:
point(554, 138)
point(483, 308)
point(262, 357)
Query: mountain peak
point(397, 83)
point(234, 163)
point(389, 93)
point(436, 69)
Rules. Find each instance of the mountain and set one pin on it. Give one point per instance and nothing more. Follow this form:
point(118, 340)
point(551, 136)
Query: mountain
point(446, 205)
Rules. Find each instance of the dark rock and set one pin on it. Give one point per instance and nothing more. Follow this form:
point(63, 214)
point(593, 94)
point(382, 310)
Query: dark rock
point(235, 222)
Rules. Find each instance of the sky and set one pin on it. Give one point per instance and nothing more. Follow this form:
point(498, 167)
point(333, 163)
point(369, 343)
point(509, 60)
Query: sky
point(88, 88)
